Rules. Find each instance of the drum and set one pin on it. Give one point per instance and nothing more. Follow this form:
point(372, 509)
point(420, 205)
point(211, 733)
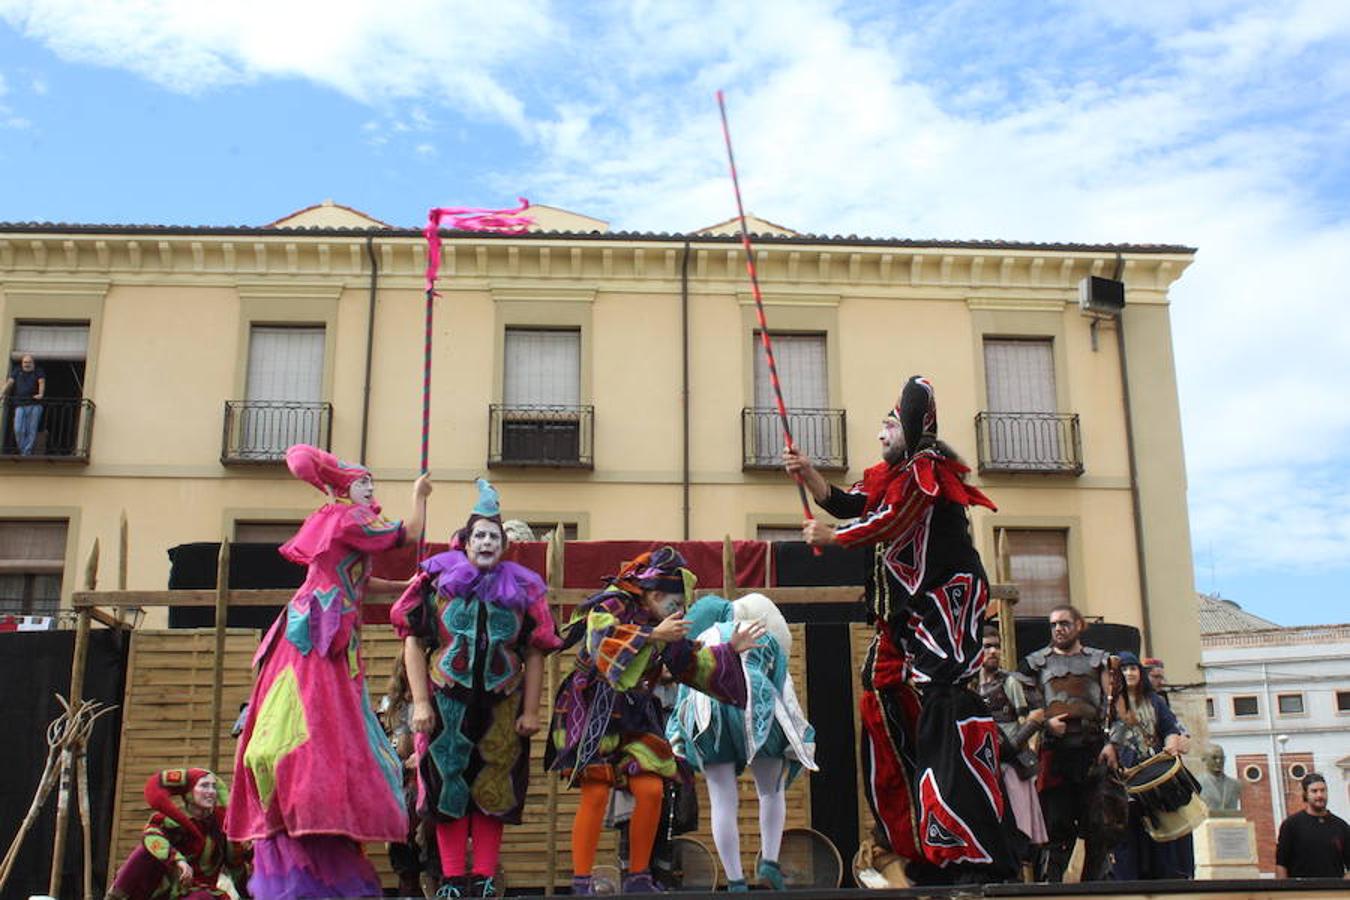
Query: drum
point(1168, 796)
point(808, 859)
point(878, 869)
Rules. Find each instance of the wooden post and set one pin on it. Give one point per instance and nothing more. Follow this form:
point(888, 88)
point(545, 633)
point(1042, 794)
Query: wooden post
point(77, 666)
point(91, 568)
point(1007, 624)
point(123, 542)
point(553, 568)
point(218, 675)
point(728, 568)
point(1007, 628)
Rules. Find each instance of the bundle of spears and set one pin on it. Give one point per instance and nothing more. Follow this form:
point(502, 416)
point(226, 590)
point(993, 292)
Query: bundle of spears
point(67, 740)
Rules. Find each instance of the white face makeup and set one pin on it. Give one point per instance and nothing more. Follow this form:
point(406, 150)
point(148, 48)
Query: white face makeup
point(892, 438)
point(362, 490)
point(204, 793)
point(485, 544)
point(663, 605)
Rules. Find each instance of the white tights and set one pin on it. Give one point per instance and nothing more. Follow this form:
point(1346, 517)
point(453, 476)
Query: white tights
point(722, 796)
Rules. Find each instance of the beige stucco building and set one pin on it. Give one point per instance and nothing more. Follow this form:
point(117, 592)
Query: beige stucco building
point(606, 380)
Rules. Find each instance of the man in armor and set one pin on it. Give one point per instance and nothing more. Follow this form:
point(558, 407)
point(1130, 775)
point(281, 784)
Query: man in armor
point(1005, 693)
point(1075, 683)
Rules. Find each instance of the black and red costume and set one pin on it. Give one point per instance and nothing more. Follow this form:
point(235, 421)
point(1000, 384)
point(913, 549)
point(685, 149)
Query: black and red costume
point(930, 747)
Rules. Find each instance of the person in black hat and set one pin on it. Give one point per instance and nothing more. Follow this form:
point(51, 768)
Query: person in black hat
point(930, 755)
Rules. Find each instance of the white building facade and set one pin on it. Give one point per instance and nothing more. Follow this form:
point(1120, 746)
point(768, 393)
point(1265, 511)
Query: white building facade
point(1278, 702)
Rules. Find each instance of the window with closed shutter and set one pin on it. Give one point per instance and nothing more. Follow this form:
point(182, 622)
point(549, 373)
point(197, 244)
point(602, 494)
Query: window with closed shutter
point(1020, 387)
point(1037, 561)
point(284, 391)
point(804, 378)
point(541, 416)
point(32, 558)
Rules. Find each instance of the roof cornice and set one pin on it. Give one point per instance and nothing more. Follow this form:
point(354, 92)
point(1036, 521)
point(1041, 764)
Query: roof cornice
point(618, 261)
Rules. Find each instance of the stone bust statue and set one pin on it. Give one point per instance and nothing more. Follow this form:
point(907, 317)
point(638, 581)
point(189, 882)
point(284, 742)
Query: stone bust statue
point(1222, 794)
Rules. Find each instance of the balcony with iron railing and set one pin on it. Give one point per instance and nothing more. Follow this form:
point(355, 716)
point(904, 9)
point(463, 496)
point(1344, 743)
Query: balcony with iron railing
point(820, 434)
point(64, 429)
point(257, 432)
point(1024, 442)
point(541, 435)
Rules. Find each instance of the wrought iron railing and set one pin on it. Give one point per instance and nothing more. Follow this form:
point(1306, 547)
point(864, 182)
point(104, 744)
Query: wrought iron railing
point(259, 431)
point(62, 430)
point(1013, 442)
point(821, 434)
point(541, 435)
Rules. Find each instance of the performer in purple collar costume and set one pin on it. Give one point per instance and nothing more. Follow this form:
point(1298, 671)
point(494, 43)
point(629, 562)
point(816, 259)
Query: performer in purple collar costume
point(487, 627)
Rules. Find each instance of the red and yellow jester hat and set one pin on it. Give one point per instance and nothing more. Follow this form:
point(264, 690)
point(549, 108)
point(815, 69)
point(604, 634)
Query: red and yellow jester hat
point(162, 787)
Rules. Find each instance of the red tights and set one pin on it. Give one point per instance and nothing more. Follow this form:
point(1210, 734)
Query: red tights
point(452, 838)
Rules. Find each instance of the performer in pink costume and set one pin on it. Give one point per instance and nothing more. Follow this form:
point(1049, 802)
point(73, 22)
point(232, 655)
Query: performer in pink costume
point(314, 774)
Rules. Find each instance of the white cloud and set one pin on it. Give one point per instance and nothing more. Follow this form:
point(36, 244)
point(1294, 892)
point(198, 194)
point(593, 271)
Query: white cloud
point(454, 52)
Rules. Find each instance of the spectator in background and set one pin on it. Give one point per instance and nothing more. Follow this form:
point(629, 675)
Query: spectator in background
point(29, 384)
point(1313, 842)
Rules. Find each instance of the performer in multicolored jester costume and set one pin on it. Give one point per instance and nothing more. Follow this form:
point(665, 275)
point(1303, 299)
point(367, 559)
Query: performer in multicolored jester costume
point(608, 729)
point(487, 626)
point(314, 774)
point(183, 849)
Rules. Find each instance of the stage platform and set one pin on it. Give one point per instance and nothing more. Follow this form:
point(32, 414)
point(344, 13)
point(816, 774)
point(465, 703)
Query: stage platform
point(1247, 889)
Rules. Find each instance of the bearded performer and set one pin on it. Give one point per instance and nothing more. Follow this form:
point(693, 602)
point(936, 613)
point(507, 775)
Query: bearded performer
point(183, 849)
point(1006, 695)
point(487, 625)
point(608, 728)
point(930, 748)
point(1076, 795)
point(314, 774)
point(770, 736)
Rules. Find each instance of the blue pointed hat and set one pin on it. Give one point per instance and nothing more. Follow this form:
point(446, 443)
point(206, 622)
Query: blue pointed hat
point(489, 504)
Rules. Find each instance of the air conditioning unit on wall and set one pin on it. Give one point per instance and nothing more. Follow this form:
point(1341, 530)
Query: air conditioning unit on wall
point(1101, 296)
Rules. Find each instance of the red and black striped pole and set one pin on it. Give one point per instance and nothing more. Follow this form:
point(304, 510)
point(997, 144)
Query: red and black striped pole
point(765, 342)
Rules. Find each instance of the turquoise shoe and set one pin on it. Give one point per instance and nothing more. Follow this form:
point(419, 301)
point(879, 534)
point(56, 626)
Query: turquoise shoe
point(771, 875)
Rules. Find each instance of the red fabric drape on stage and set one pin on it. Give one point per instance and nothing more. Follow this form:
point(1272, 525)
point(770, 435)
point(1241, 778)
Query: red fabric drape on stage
point(585, 563)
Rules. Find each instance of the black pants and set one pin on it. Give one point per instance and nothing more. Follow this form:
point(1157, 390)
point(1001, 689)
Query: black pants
point(1074, 806)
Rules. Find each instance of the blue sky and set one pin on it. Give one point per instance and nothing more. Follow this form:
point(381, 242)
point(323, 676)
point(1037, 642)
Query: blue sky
point(1221, 124)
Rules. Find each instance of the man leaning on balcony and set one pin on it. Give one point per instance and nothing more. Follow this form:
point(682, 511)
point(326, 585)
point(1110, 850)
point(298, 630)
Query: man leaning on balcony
point(29, 384)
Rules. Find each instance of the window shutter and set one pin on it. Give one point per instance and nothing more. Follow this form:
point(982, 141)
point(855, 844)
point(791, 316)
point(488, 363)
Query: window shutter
point(542, 367)
point(27, 546)
point(801, 372)
point(1020, 376)
point(1038, 563)
point(285, 364)
point(51, 342)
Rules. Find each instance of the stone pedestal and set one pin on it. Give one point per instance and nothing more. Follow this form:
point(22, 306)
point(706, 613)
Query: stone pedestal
point(1226, 848)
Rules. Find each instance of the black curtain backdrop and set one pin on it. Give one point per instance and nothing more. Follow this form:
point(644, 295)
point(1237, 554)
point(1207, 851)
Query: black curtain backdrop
point(252, 567)
point(34, 667)
point(834, 789)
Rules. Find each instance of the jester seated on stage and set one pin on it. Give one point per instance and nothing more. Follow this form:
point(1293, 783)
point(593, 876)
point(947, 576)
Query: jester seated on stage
point(183, 849)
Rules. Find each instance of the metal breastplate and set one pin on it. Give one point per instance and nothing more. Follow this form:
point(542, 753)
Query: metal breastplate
point(1071, 684)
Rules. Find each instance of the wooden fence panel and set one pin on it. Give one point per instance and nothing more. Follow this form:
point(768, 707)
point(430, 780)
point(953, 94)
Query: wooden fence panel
point(166, 724)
